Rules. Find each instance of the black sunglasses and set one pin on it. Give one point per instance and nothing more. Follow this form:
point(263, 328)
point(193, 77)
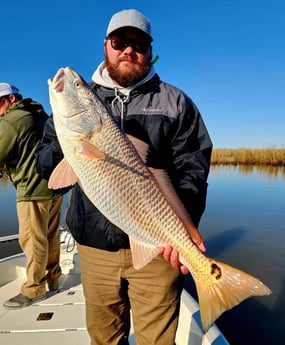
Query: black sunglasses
point(140, 45)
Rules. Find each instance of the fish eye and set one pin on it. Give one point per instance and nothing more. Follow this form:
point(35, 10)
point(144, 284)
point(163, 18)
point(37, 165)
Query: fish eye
point(77, 84)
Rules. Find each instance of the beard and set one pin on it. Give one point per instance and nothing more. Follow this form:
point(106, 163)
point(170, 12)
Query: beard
point(129, 75)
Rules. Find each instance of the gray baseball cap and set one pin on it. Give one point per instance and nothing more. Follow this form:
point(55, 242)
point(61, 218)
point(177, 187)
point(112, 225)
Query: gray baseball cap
point(129, 18)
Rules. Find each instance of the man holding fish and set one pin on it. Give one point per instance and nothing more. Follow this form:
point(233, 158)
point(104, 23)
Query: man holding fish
point(125, 210)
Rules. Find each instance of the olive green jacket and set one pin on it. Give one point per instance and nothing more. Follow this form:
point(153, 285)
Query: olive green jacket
point(21, 129)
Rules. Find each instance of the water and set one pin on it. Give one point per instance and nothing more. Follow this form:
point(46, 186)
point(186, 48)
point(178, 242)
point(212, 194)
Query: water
point(244, 226)
point(8, 217)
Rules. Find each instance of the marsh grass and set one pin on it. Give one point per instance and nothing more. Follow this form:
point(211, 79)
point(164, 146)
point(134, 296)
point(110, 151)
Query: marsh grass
point(266, 156)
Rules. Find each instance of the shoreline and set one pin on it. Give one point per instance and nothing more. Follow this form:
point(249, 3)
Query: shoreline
point(260, 156)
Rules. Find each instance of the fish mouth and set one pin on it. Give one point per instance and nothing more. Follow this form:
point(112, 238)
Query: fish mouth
point(57, 83)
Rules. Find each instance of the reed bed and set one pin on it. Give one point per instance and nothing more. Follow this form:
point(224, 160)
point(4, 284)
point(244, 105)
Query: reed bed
point(267, 156)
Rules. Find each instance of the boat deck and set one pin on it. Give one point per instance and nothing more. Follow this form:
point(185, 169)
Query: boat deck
point(60, 317)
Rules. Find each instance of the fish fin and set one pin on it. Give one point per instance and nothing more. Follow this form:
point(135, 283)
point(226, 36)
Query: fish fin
point(142, 253)
point(89, 150)
point(226, 288)
point(62, 176)
point(166, 188)
point(140, 146)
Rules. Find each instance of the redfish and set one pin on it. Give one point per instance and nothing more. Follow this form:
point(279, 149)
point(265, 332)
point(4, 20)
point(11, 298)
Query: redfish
point(110, 168)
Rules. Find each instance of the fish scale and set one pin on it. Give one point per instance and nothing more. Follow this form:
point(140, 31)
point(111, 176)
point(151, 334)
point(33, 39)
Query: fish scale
point(137, 199)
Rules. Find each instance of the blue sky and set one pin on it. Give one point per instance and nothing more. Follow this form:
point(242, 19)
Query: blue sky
point(228, 56)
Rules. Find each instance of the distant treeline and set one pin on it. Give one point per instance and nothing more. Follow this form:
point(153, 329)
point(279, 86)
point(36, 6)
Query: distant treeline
point(267, 156)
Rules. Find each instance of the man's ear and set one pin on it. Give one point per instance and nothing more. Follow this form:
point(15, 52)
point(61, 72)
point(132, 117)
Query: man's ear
point(12, 98)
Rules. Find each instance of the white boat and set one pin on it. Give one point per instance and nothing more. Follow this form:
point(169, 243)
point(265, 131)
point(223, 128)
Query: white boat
point(60, 318)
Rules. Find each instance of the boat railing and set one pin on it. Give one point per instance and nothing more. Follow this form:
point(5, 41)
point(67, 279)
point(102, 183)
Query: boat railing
point(9, 238)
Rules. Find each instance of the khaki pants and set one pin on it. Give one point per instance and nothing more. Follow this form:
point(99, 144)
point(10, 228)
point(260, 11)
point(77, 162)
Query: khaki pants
point(39, 240)
point(111, 286)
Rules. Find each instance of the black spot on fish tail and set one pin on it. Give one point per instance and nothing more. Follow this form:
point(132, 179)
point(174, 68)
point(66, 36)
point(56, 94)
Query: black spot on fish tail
point(216, 271)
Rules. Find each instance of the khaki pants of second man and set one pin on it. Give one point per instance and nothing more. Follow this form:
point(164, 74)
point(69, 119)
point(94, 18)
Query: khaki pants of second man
point(39, 240)
point(111, 286)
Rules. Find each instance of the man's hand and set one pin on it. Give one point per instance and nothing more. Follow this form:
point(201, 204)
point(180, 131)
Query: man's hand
point(172, 255)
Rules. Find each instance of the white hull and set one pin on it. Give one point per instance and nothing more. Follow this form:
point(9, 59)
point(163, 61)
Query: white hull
point(63, 312)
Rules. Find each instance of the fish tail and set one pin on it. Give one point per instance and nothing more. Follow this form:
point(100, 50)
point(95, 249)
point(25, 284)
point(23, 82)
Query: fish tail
point(226, 288)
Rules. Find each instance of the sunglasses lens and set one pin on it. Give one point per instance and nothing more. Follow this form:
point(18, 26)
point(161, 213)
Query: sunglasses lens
point(142, 46)
point(118, 43)
point(139, 45)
